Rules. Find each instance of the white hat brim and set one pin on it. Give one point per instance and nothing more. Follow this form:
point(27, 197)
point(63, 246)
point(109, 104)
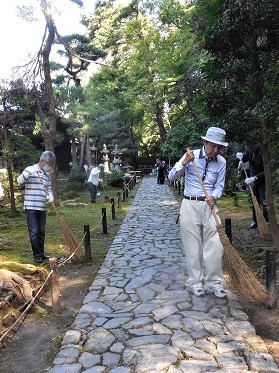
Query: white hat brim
point(215, 141)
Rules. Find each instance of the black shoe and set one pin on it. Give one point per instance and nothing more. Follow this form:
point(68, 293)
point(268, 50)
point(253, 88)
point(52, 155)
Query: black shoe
point(38, 259)
point(253, 226)
point(45, 257)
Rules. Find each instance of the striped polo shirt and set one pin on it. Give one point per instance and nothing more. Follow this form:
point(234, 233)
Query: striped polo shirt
point(37, 187)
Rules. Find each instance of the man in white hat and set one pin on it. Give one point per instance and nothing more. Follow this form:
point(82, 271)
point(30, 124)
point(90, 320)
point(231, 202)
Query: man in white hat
point(201, 241)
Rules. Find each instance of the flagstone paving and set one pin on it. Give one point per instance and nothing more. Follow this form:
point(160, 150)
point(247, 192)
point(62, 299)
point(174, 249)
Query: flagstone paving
point(139, 315)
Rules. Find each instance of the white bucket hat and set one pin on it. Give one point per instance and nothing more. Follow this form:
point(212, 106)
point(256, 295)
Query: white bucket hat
point(216, 136)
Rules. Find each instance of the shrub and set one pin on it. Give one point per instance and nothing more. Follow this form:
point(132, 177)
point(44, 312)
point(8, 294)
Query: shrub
point(73, 186)
point(115, 179)
point(79, 177)
point(70, 194)
point(69, 189)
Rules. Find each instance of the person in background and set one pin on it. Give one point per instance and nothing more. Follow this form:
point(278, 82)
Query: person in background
point(86, 168)
point(94, 180)
point(37, 193)
point(161, 168)
point(243, 169)
point(256, 180)
point(202, 246)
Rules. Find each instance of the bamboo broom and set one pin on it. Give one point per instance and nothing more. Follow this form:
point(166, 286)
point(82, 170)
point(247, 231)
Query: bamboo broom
point(243, 282)
point(70, 240)
point(263, 227)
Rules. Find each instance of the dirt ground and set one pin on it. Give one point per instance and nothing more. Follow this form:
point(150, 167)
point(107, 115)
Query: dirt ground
point(253, 248)
point(35, 344)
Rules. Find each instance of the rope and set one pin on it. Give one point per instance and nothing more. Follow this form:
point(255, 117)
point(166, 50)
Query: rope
point(73, 253)
point(29, 305)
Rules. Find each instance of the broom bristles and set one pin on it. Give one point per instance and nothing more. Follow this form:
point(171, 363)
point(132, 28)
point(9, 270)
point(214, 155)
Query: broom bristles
point(242, 280)
point(263, 227)
point(70, 240)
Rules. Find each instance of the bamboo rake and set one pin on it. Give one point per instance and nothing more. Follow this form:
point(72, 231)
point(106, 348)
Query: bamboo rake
point(242, 280)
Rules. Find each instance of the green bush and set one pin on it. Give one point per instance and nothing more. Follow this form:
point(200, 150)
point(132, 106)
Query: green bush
point(79, 177)
point(115, 179)
point(69, 194)
point(69, 189)
point(73, 186)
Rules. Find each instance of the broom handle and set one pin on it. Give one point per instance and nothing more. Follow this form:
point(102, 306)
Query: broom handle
point(204, 189)
point(52, 203)
point(249, 186)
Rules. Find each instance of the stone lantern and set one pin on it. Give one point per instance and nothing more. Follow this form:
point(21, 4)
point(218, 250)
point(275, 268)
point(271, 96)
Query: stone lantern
point(116, 161)
point(105, 159)
point(94, 151)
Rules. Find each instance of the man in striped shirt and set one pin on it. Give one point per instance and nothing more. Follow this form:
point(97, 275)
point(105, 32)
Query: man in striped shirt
point(38, 192)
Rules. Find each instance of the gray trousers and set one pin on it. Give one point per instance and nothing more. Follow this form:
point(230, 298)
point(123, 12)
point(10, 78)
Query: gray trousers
point(93, 191)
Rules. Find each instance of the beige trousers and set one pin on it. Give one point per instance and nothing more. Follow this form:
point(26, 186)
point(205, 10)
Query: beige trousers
point(202, 246)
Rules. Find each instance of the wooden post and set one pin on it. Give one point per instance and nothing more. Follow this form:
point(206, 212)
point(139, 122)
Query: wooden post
point(119, 204)
point(270, 265)
point(54, 286)
point(112, 208)
point(124, 193)
point(104, 220)
point(228, 228)
point(87, 246)
point(179, 186)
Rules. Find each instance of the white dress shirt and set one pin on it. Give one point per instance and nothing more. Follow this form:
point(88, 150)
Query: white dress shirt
point(214, 175)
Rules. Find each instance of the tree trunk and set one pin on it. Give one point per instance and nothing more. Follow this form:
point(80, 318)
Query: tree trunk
point(74, 150)
point(9, 163)
point(88, 157)
point(269, 189)
point(82, 152)
point(161, 125)
point(48, 120)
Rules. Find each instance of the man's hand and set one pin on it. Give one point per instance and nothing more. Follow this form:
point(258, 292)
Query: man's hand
point(31, 169)
point(49, 198)
point(239, 156)
point(189, 157)
point(249, 180)
point(210, 201)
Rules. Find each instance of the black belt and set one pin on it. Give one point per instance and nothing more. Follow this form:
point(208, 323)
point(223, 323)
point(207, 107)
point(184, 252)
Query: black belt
point(200, 198)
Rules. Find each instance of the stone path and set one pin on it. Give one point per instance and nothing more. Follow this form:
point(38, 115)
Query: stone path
point(139, 315)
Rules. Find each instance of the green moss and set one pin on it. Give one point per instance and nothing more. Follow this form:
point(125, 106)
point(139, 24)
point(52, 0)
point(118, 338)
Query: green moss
point(15, 251)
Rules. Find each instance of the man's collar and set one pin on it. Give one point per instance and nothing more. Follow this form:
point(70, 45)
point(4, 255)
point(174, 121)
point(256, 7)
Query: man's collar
point(203, 155)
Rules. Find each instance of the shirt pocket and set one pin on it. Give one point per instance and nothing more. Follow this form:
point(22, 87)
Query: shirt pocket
point(211, 177)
